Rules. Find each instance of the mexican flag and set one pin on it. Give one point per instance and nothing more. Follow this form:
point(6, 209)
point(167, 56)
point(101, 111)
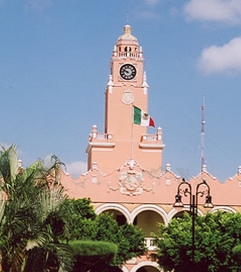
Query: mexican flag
point(142, 118)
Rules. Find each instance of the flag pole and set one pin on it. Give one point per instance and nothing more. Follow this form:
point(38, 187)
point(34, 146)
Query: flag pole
point(132, 129)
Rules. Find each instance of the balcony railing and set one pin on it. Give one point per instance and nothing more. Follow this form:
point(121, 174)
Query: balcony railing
point(100, 136)
point(134, 55)
point(150, 243)
point(151, 137)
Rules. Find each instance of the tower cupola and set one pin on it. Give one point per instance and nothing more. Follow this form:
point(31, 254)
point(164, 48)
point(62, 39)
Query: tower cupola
point(127, 34)
point(127, 45)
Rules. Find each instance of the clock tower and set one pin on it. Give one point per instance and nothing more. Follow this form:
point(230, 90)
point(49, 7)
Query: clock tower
point(123, 141)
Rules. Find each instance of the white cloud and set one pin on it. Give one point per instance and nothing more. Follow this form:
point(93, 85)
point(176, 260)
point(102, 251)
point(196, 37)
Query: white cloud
point(228, 11)
point(220, 59)
point(75, 169)
point(149, 11)
point(38, 4)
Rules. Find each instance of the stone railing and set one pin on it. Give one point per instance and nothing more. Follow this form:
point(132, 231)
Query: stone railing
point(149, 243)
point(151, 138)
point(99, 136)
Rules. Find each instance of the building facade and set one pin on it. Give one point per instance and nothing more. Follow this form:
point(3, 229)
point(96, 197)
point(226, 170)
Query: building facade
point(125, 174)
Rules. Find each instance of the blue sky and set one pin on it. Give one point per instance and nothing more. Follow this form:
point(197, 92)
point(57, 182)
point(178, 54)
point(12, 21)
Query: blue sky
point(54, 66)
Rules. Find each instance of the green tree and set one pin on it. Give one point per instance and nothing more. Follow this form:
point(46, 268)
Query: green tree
point(237, 255)
point(91, 254)
point(37, 221)
point(215, 237)
point(85, 225)
point(31, 220)
point(78, 210)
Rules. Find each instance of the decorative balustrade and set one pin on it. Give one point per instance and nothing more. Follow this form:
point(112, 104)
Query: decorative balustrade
point(151, 138)
point(95, 135)
point(107, 136)
point(129, 54)
point(101, 136)
point(150, 243)
point(132, 55)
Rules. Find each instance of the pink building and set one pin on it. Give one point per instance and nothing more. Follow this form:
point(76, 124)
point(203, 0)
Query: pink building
point(125, 173)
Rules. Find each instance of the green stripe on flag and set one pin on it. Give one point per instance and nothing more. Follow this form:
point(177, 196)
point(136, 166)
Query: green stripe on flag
point(137, 115)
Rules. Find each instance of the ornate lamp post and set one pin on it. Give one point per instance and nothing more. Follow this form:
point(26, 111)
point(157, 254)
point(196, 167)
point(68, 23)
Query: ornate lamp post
point(201, 189)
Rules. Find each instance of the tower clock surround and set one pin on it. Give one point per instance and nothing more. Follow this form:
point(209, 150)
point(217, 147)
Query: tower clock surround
point(128, 71)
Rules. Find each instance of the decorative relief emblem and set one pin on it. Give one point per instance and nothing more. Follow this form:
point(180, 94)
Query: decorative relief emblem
point(131, 179)
point(127, 97)
point(131, 182)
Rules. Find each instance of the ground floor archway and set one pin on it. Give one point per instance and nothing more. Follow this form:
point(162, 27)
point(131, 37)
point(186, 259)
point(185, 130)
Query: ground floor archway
point(148, 269)
point(146, 266)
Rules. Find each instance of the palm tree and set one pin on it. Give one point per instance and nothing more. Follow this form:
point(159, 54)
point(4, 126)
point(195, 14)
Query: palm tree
point(31, 219)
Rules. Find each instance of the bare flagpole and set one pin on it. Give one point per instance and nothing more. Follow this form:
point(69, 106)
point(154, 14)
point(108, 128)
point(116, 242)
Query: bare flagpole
point(203, 135)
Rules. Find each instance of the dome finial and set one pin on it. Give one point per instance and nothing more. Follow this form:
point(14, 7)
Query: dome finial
point(127, 17)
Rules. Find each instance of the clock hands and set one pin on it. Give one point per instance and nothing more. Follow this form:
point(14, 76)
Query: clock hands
point(127, 71)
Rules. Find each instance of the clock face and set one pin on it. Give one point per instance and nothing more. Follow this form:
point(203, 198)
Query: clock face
point(127, 71)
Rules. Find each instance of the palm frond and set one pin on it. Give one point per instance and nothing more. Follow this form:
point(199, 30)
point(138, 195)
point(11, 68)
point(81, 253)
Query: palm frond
point(2, 206)
point(31, 217)
point(13, 161)
point(51, 200)
point(41, 239)
point(8, 167)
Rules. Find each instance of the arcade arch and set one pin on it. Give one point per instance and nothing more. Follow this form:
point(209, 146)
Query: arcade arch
point(179, 213)
point(162, 215)
point(119, 212)
point(117, 215)
point(148, 221)
point(223, 209)
point(147, 217)
point(146, 266)
point(124, 269)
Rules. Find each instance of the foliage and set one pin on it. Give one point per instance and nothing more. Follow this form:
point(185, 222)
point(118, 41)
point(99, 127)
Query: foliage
point(215, 237)
point(237, 253)
point(85, 225)
point(78, 210)
point(92, 253)
point(31, 221)
point(37, 221)
point(93, 248)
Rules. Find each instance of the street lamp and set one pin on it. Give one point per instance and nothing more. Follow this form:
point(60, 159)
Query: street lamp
point(200, 190)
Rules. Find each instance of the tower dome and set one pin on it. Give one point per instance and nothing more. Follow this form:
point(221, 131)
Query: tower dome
point(127, 34)
point(127, 44)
